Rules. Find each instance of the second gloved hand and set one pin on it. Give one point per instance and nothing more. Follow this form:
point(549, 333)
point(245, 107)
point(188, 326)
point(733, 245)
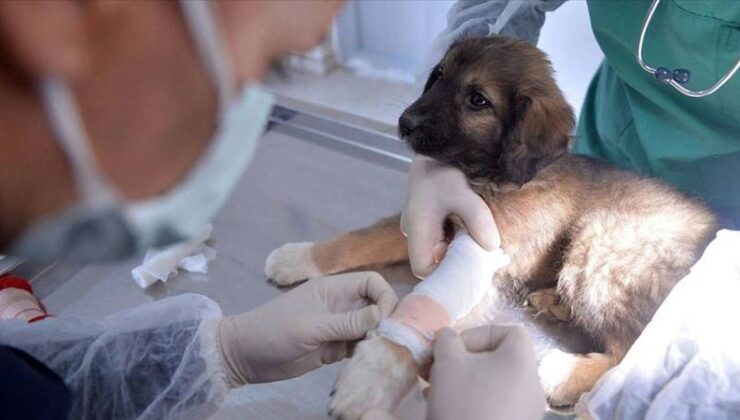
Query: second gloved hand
point(436, 191)
point(303, 329)
point(485, 373)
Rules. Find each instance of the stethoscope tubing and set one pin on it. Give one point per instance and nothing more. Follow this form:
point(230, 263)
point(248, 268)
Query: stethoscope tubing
point(694, 94)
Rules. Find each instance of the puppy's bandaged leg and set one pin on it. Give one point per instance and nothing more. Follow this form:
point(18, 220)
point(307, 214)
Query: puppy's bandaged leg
point(459, 283)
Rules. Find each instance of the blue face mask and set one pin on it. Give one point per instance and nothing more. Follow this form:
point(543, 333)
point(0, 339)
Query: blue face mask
point(102, 226)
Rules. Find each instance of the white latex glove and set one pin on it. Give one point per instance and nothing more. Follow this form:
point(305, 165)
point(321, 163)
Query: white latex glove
point(484, 373)
point(434, 192)
point(303, 329)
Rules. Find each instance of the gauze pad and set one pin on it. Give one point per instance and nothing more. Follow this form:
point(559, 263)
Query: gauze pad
point(459, 283)
point(160, 264)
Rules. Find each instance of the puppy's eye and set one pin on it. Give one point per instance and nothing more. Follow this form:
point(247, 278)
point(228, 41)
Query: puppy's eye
point(477, 102)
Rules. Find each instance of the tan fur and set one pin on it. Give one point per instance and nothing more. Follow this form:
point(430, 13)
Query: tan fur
point(378, 375)
point(379, 245)
point(546, 304)
point(612, 244)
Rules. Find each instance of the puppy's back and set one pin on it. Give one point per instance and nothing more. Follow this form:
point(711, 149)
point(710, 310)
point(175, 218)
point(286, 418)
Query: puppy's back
point(625, 195)
point(631, 239)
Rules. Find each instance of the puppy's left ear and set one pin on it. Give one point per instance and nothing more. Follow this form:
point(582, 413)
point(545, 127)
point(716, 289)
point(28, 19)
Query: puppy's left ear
point(538, 134)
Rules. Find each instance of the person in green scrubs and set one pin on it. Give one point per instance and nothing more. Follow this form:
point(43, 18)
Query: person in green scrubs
point(637, 122)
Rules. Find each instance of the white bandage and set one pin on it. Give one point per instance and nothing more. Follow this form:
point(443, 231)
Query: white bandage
point(459, 283)
point(463, 277)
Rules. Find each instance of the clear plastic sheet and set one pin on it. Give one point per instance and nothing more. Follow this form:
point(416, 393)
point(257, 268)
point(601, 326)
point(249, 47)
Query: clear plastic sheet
point(153, 361)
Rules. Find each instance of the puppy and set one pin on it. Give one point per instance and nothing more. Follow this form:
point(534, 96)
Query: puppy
point(606, 245)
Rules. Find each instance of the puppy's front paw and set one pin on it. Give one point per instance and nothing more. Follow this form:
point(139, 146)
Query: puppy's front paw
point(378, 375)
point(291, 263)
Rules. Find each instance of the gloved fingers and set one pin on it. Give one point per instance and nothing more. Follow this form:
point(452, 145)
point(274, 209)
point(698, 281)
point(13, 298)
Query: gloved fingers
point(491, 337)
point(333, 352)
point(517, 343)
point(360, 288)
point(403, 224)
point(485, 338)
point(378, 414)
point(423, 234)
point(350, 326)
point(439, 250)
point(378, 291)
point(479, 222)
point(448, 344)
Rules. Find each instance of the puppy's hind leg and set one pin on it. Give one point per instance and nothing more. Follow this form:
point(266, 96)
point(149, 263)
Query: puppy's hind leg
point(378, 245)
point(565, 376)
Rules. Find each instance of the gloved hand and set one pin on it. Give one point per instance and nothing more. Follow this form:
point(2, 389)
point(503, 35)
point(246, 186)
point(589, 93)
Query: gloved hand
point(484, 373)
point(303, 329)
point(434, 192)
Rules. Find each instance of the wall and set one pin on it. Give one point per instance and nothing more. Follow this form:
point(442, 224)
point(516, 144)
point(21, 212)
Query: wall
point(387, 39)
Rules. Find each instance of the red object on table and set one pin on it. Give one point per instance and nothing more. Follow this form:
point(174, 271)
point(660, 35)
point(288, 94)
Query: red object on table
point(10, 281)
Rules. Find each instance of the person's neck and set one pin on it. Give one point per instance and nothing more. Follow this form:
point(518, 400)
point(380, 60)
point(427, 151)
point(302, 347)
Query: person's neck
point(146, 103)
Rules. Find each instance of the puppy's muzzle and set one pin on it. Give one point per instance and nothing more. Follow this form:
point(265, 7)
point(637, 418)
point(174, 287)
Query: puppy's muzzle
point(409, 122)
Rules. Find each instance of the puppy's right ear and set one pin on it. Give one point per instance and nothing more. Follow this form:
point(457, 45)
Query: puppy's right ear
point(433, 77)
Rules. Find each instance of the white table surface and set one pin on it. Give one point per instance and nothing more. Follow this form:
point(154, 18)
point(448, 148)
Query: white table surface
point(293, 191)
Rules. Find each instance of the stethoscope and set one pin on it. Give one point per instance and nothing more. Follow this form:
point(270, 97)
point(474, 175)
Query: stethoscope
point(677, 77)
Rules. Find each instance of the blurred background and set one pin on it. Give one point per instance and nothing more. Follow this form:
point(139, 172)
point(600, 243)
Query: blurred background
point(369, 64)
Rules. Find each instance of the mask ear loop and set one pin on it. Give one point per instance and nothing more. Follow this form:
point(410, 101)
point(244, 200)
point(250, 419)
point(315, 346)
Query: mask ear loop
point(60, 106)
point(201, 18)
point(94, 188)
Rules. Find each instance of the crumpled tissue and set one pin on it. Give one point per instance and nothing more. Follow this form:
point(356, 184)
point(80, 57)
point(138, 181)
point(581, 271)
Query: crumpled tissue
point(686, 364)
point(162, 263)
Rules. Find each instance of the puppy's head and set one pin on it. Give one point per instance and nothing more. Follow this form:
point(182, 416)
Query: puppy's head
point(491, 108)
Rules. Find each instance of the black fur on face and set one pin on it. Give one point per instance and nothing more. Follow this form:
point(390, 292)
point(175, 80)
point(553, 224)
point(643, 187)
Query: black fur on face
point(492, 109)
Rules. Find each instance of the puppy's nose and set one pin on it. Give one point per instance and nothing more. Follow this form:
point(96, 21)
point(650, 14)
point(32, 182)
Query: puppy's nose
point(409, 122)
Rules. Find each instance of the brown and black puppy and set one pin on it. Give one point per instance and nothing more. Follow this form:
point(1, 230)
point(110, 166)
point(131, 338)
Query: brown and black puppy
point(609, 243)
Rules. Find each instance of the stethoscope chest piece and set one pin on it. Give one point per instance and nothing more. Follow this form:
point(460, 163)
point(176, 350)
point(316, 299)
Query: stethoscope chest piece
point(680, 76)
point(676, 77)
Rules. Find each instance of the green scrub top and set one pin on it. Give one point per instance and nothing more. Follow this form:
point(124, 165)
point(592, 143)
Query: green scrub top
point(639, 123)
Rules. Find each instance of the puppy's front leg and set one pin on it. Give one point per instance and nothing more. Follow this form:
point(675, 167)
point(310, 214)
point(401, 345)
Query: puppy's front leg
point(375, 246)
point(379, 375)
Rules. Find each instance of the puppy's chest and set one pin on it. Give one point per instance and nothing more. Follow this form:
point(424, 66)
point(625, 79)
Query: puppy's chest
point(534, 264)
point(533, 222)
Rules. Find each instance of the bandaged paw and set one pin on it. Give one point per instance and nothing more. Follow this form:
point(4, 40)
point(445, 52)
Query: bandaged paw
point(413, 324)
point(459, 283)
